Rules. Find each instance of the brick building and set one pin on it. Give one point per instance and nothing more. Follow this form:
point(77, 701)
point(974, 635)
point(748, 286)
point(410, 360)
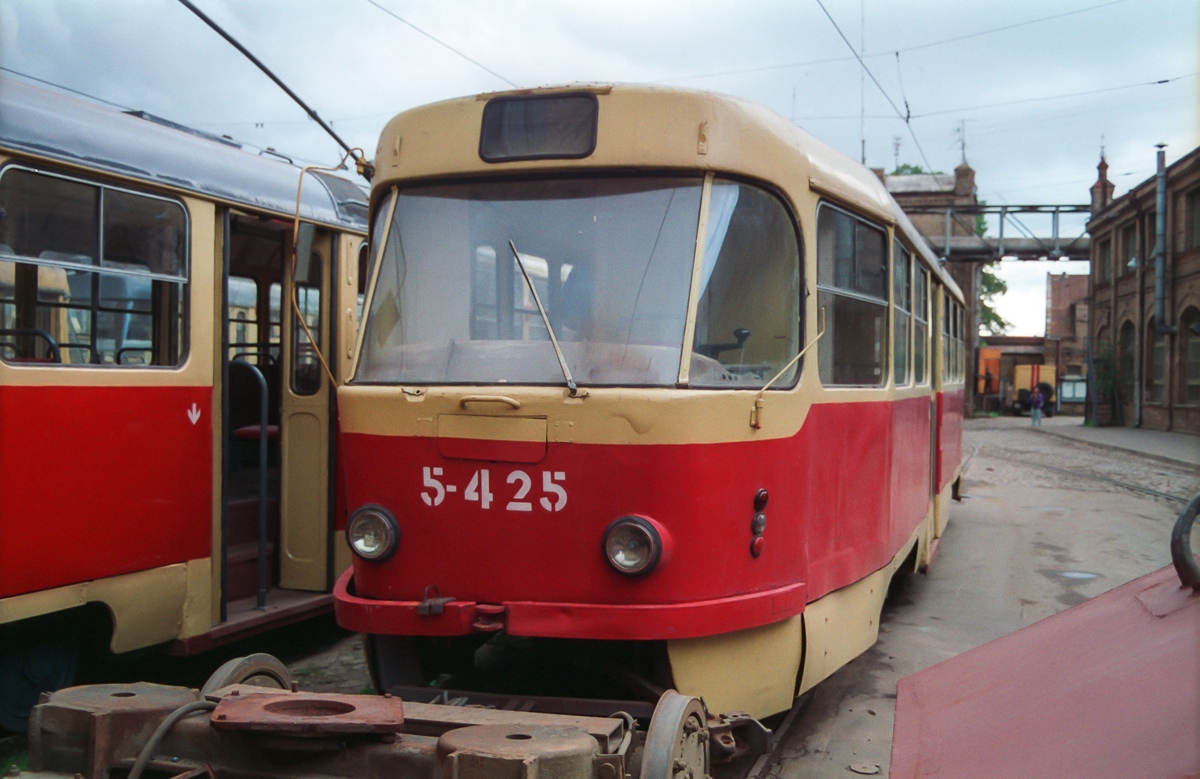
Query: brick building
point(1066, 334)
point(1146, 372)
point(943, 190)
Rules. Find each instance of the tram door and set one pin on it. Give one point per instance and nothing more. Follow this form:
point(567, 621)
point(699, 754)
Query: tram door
point(305, 419)
point(266, 339)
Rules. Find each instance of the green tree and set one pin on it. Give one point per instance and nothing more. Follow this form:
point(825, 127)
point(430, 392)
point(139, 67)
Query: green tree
point(905, 169)
point(991, 285)
point(981, 225)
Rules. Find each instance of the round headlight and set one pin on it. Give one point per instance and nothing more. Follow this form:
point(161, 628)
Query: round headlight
point(373, 533)
point(632, 546)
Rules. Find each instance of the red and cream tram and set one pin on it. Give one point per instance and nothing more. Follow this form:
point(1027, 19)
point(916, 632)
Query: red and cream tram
point(649, 369)
point(145, 290)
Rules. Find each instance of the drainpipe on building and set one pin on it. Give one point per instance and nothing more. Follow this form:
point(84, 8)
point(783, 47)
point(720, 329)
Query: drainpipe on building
point(1160, 246)
point(1139, 368)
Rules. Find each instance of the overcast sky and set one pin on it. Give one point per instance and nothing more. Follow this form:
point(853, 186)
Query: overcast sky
point(1033, 85)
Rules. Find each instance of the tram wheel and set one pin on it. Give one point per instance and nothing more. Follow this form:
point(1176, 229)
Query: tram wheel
point(674, 742)
point(392, 661)
point(260, 670)
point(43, 657)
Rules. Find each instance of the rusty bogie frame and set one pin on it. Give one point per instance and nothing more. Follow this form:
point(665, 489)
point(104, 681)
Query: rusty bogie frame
point(152, 731)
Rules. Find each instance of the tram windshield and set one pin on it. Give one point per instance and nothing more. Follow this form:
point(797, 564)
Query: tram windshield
point(612, 260)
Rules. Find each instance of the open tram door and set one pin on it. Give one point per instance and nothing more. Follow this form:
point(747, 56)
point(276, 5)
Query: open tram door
point(266, 344)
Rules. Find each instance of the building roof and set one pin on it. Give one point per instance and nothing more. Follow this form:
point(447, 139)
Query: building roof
point(920, 182)
point(61, 128)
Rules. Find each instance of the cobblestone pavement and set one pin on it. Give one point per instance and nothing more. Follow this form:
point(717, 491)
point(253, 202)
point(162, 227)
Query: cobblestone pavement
point(1045, 524)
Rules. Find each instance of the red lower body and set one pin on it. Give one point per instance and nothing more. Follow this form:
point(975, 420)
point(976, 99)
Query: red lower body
point(846, 493)
point(101, 481)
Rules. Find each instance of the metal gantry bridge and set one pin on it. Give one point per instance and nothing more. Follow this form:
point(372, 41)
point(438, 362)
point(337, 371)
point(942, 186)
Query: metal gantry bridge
point(1024, 245)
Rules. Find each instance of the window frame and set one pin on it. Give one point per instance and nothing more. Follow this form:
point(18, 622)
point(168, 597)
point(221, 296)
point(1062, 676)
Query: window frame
point(183, 280)
point(910, 281)
point(99, 267)
point(1128, 234)
point(1187, 342)
point(1104, 260)
point(926, 377)
point(885, 367)
point(711, 178)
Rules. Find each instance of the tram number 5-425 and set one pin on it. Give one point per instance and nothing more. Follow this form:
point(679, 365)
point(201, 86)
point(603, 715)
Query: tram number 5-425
point(553, 495)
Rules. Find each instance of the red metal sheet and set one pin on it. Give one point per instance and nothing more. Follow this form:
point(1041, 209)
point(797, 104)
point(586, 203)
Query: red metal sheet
point(572, 620)
point(119, 477)
point(1109, 688)
point(845, 493)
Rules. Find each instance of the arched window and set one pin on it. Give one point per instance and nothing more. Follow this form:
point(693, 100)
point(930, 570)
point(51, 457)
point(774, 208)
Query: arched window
point(1156, 363)
point(1126, 357)
point(1189, 340)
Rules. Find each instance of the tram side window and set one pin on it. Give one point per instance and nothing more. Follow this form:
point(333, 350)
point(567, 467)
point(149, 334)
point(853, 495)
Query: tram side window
point(947, 346)
point(306, 369)
point(748, 313)
point(852, 288)
point(902, 300)
point(89, 274)
point(920, 324)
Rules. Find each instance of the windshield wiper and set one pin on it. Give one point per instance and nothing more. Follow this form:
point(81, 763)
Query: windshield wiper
point(562, 361)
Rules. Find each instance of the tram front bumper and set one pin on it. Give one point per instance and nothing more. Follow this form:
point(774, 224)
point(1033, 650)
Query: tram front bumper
point(629, 622)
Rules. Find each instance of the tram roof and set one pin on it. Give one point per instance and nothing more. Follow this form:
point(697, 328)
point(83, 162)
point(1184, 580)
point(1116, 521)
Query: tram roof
point(53, 126)
point(652, 126)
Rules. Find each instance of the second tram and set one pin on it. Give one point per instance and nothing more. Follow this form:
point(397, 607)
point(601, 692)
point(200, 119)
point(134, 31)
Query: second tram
point(647, 374)
point(145, 305)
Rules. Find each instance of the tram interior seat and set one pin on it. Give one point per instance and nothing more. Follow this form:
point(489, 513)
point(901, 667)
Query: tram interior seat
point(244, 415)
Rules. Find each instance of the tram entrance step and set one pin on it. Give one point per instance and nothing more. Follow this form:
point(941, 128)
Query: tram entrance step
point(242, 565)
point(244, 618)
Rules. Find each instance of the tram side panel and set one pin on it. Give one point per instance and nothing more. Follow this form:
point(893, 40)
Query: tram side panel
point(123, 474)
point(845, 514)
point(910, 477)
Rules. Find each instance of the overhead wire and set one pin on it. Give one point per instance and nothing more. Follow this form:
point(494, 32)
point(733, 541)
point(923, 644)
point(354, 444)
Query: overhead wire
point(65, 88)
point(1044, 98)
point(918, 47)
point(905, 117)
point(1054, 97)
point(442, 43)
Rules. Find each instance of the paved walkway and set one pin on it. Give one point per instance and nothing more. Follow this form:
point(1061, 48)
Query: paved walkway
point(1175, 447)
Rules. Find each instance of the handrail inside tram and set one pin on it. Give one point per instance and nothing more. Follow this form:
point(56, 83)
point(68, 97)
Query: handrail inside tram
point(261, 602)
point(55, 353)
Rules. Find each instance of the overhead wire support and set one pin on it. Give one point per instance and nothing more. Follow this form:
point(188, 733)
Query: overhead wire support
point(364, 168)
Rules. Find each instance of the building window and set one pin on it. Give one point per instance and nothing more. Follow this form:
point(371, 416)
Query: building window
point(1156, 370)
point(902, 300)
point(1072, 391)
point(1193, 209)
point(1127, 356)
point(1104, 261)
point(852, 288)
point(89, 274)
point(1128, 249)
point(1189, 337)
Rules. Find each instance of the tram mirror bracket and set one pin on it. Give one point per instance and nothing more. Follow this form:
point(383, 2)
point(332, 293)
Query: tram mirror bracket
point(756, 412)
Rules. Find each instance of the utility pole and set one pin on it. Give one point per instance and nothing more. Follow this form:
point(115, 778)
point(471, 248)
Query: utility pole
point(895, 152)
point(862, 78)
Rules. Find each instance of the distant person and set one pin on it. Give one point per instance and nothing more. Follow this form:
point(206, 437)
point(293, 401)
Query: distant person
point(1035, 407)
